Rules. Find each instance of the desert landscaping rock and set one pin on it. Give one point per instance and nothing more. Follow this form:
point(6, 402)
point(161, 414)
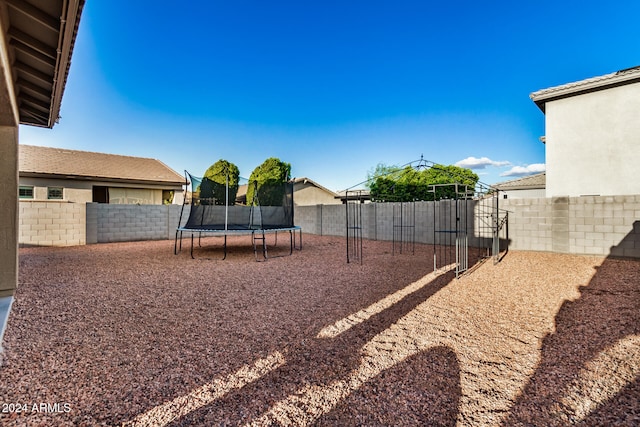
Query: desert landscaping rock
point(130, 334)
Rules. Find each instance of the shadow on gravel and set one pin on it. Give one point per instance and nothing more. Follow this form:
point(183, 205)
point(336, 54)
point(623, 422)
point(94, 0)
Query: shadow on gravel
point(430, 380)
point(589, 373)
point(423, 390)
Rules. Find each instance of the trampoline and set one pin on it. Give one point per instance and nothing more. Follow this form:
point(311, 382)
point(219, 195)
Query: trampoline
point(215, 209)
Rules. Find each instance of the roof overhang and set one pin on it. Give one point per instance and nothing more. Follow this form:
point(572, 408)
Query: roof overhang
point(38, 38)
point(521, 187)
point(619, 78)
point(120, 181)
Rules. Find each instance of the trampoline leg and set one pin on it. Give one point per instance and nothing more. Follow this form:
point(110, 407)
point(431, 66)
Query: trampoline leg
point(291, 234)
point(225, 248)
point(192, 257)
point(253, 243)
point(264, 245)
point(294, 239)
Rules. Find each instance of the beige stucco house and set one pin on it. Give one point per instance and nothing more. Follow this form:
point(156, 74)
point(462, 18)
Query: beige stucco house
point(80, 176)
point(532, 186)
point(593, 135)
point(307, 192)
point(36, 42)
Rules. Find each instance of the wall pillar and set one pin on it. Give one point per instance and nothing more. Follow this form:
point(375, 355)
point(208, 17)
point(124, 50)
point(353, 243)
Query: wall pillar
point(8, 221)
point(560, 224)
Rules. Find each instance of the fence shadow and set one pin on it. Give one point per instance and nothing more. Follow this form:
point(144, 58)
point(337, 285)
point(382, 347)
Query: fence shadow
point(588, 373)
point(315, 364)
point(422, 390)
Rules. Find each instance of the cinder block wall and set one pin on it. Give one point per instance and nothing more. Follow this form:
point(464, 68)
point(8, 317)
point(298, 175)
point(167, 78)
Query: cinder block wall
point(530, 223)
point(46, 223)
point(121, 223)
point(607, 225)
point(309, 218)
point(377, 219)
point(598, 225)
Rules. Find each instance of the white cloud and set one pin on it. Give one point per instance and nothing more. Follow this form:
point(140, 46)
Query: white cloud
point(525, 170)
point(480, 163)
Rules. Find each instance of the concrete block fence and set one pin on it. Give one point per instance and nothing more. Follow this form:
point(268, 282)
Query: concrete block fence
point(70, 224)
point(121, 223)
point(599, 225)
point(595, 225)
point(45, 223)
point(378, 220)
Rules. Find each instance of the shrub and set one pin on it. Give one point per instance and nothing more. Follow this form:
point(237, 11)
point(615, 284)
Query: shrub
point(216, 178)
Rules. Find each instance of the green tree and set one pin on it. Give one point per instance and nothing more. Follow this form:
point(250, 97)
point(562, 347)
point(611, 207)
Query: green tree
point(382, 170)
point(395, 184)
point(268, 180)
point(443, 179)
point(216, 178)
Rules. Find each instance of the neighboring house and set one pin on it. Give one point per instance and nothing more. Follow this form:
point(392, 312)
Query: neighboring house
point(360, 195)
point(307, 192)
point(593, 135)
point(532, 186)
point(81, 176)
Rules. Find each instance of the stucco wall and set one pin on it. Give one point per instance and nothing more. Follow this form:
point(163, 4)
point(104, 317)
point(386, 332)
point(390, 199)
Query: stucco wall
point(523, 194)
point(593, 143)
point(73, 190)
point(9, 211)
point(308, 194)
point(78, 191)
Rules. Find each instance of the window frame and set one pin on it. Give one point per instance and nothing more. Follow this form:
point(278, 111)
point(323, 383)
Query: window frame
point(27, 188)
point(49, 191)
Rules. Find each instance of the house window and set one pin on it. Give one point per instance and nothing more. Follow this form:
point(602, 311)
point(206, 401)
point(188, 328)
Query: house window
point(100, 194)
point(25, 192)
point(54, 193)
point(505, 196)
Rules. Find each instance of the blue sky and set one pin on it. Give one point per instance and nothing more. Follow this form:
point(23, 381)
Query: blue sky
point(332, 87)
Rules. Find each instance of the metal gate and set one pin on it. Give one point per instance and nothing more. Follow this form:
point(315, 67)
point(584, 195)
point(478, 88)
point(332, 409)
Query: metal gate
point(491, 224)
point(451, 227)
point(353, 206)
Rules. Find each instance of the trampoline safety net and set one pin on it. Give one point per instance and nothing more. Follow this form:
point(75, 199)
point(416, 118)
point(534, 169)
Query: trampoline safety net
point(220, 207)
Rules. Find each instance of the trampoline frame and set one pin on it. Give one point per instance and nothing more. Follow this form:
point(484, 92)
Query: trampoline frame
point(252, 232)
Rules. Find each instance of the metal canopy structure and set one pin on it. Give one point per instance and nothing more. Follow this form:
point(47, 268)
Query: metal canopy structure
point(460, 215)
point(40, 37)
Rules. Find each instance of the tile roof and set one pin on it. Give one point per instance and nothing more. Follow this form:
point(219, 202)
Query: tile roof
point(619, 78)
point(525, 183)
point(60, 162)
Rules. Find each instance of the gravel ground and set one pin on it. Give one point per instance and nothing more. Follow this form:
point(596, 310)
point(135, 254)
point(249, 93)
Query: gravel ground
point(130, 334)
